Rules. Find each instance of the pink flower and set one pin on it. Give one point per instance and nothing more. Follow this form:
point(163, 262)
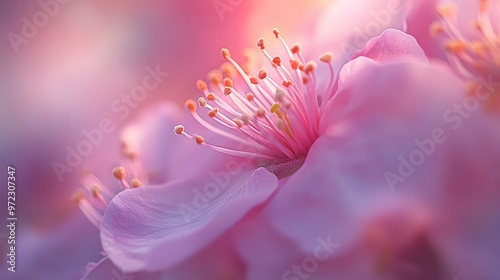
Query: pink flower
point(268, 218)
point(465, 33)
point(146, 159)
point(357, 177)
point(64, 79)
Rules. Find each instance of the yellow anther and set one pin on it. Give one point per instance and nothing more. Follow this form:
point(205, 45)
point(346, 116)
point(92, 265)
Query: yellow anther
point(136, 183)
point(274, 108)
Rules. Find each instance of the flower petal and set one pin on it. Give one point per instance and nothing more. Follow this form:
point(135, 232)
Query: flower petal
point(419, 21)
point(372, 18)
point(385, 117)
point(180, 217)
point(391, 45)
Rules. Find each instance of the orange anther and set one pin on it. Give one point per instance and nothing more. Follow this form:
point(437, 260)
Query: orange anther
point(260, 43)
point(215, 76)
point(77, 197)
point(119, 173)
point(437, 29)
point(178, 129)
point(326, 57)
point(211, 96)
point(310, 66)
point(201, 85)
point(262, 74)
point(225, 53)
point(96, 191)
point(190, 105)
point(199, 139)
point(228, 69)
point(212, 113)
point(276, 32)
point(277, 60)
point(254, 80)
point(228, 82)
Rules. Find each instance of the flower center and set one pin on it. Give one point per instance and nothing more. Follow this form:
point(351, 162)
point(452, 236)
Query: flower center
point(268, 116)
point(477, 59)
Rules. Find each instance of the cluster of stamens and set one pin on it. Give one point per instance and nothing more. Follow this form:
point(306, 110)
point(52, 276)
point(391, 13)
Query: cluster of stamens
point(95, 197)
point(477, 59)
point(270, 116)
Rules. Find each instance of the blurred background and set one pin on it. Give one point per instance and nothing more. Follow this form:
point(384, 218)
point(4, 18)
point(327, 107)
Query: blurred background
point(67, 65)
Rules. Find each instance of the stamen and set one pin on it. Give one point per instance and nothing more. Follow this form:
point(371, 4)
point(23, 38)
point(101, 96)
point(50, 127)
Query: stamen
point(120, 174)
point(136, 183)
point(326, 57)
point(179, 129)
point(476, 59)
point(277, 116)
point(94, 206)
point(214, 76)
point(201, 85)
point(190, 105)
point(96, 193)
point(225, 53)
point(87, 209)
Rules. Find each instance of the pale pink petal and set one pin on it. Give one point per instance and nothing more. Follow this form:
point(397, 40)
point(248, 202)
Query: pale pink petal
point(365, 19)
point(370, 125)
point(217, 261)
point(419, 21)
point(391, 45)
point(180, 218)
